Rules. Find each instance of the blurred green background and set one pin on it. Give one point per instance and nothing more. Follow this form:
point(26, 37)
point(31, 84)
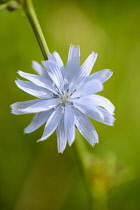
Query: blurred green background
point(33, 176)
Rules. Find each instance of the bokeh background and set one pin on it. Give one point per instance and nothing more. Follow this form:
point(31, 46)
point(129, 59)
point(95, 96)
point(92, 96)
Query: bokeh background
point(33, 176)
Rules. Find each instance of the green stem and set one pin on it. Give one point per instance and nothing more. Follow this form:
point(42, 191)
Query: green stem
point(81, 154)
point(30, 13)
point(79, 150)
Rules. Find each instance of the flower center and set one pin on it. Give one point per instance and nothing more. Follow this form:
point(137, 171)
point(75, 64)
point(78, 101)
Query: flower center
point(65, 98)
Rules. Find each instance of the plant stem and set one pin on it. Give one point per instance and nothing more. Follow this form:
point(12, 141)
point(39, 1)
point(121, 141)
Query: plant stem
point(31, 15)
point(81, 154)
point(79, 150)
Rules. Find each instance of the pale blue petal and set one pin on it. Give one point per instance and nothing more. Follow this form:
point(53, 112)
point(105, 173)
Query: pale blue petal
point(85, 127)
point(108, 118)
point(61, 135)
point(42, 105)
point(97, 113)
point(55, 57)
point(87, 66)
point(40, 70)
point(89, 109)
point(38, 120)
point(33, 89)
point(104, 102)
point(85, 69)
point(55, 73)
point(97, 100)
point(37, 67)
point(52, 123)
point(38, 80)
point(18, 108)
point(102, 75)
point(88, 88)
point(69, 124)
point(73, 63)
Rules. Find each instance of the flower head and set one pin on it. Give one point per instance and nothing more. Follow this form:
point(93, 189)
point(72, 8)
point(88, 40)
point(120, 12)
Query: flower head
point(66, 98)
